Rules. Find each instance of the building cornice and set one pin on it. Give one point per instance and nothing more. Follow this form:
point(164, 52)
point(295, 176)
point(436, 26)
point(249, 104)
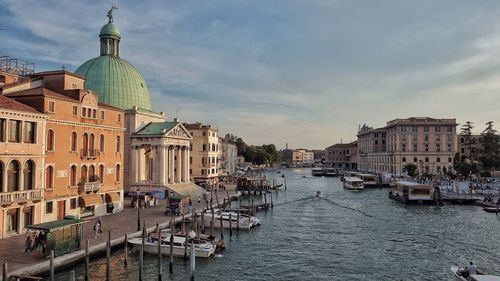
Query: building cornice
point(65, 122)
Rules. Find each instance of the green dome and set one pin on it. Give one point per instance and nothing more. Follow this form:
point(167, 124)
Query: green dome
point(109, 29)
point(117, 82)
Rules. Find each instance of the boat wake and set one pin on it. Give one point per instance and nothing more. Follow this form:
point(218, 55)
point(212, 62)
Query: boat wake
point(347, 207)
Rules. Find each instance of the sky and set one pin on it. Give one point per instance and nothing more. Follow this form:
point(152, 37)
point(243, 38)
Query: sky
point(305, 73)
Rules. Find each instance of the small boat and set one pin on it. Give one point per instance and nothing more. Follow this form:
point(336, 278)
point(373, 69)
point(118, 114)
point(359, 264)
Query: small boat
point(244, 223)
point(201, 248)
point(461, 274)
point(318, 194)
point(317, 172)
point(491, 209)
point(353, 183)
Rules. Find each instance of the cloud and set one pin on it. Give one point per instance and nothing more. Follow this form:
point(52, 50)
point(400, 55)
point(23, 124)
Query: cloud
point(299, 72)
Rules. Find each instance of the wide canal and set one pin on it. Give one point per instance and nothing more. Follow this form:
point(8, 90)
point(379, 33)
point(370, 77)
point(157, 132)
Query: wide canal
point(343, 236)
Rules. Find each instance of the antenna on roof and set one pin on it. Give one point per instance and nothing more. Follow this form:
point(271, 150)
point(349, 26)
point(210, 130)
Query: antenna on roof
point(63, 67)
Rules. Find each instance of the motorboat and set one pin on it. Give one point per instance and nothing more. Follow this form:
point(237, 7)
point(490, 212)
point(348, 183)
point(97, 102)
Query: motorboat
point(234, 217)
point(317, 172)
point(245, 222)
point(202, 249)
point(491, 209)
point(369, 180)
point(461, 274)
point(318, 194)
point(353, 183)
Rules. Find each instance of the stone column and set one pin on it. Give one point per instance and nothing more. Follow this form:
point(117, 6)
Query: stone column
point(4, 178)
point(139, 164)
point(162, 165)
point(188, 165)
point(183, 174)
point(171, 164)
point(179, 164)
point(133, 166)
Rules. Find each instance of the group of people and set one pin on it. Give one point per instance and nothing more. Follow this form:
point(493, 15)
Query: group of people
point(38, 241)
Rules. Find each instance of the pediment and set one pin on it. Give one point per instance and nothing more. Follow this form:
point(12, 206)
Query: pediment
point(178, 131)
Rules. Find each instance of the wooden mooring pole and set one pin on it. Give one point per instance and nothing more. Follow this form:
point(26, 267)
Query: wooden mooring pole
point(238, 221)
point(160, 271)
point(265, 201)
point(51, 265)
point(108, 264)
point(272, 206)
point(221, 228)
point(86, 277)
point(203, 222)
point(212, 224)
point(141, 255)
point(4, 271)
point(230, 226)
point(217, 199)
point(125, 252)
point(171, 257)
point(183, 228)
point(185, 246)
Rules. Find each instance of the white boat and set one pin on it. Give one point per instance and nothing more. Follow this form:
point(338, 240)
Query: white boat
point(353, 183)
point(202, 249)
point(409, 192)
point(245, 217)
point(458, 273)
point(330, 172)
point(318, 194)
point(369, 180)
point(317, 172)
point(244, 223)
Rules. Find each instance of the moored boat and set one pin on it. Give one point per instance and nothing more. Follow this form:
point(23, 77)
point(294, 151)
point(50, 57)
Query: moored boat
point(491, 209)
point(411, 193)
point(317, 172)
point(353, 183)
point(245, 222)
point(369, 180)
point(201, 248)
point(461, 274)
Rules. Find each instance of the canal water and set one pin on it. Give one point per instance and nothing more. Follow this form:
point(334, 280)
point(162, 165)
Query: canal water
point(343, 236)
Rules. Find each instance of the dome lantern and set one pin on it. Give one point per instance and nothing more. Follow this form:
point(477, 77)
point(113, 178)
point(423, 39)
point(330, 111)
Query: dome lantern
point(110, 37)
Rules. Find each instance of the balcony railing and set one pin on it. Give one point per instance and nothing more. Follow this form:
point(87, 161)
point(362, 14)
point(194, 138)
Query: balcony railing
point(21, 196)
point(89, 186)
point(89, 153)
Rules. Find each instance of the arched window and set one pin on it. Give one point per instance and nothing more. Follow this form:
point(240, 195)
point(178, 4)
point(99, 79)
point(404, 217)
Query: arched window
point(13, 176)
point(72, 177)
point(92, 173)
point(49, 177)
point(118, 144)
point(101, 173)
point(91, 142)
point(50, 140)
point(101, 143)
point(29, 175)
point(85, 144)
point(74, 139)
point(118, 173)
point(83, 174)
point(2, 168)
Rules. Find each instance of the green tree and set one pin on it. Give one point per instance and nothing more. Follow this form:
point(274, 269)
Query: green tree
point(490, 152)
point(466, 132)
point(411, 169)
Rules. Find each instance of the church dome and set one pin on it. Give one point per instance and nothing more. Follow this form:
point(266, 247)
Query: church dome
point(116, 81)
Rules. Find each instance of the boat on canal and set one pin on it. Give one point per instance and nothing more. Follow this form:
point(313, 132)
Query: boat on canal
point(202, 249)
point(245, 222)
point(318, 194)
point(353, 183)
point(491, 209)
point(408, 192)
point(369, 180)
point(461, 274)
point(317, 172)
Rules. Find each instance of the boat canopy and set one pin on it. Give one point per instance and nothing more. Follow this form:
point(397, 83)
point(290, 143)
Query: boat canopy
point(54, 225)
point(353, 179)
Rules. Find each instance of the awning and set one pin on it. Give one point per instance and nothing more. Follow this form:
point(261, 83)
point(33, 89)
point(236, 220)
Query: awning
point(90, 200)
point(52, 225)
point(112, 197)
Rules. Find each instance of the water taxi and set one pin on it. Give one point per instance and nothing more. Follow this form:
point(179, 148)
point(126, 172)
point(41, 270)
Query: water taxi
point(330, 172)
point(409, 192)
point(202, 249)
point(317, 172)
point(353, 183)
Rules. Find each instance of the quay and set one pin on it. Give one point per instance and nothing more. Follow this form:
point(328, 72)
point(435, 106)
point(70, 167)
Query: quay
point(116, 225)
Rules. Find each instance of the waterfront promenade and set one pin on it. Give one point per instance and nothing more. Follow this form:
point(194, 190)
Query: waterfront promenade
point(121, 223)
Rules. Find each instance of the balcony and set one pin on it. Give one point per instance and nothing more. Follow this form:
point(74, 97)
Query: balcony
point(21, 196)
point(89, 153)
point(89, 186)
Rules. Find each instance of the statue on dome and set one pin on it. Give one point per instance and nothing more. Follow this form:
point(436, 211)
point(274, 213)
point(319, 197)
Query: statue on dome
point(110, 13)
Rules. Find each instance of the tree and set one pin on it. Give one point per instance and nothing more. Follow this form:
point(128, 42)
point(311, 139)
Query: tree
point(466, 132)
point(410, 169)
point(490, 152)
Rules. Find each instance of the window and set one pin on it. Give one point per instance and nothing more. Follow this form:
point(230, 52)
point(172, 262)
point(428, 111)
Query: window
point(74, 139)
point(426, 129)
point(404, 159)
point(438, 147)
point(28, 173)
point(415, 159)
point(450, 160)
point(204, 147)
point(2, 129)
point(403, 147)
point(119, 118)
point(415, 148)
point(449, 129)
point(72, 203)
point(49, 207)
point(73, 176)
point(101, 143)
point(118, 172)
point(437, 129)
point(426, 137)
point(438, 159)
point(426, 159)
point(101, 173)
point(94, 113)
point(84, 111)
point(75, 110)
point(14, 131)
point(91, 143)
point(102, 114)
point(52, 106)
point(29, 132)
point(85, 144)
point(13, 174)
point(49, 177)
point(118, 144)
point(449, 148)
point(426, 147)
point(50, 140)
point(414, 129)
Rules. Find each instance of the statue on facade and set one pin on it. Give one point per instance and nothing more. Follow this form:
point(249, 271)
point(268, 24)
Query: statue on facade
point(110, 13)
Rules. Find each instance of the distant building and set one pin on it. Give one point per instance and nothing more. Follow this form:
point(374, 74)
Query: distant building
point(297, 157)
point(228, 154)
point(22, 160)
point(426, 142)
point(319, 156)
point(84, 145)
point(205, 153)
point(342, 155)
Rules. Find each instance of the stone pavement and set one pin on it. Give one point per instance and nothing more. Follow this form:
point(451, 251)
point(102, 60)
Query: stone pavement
point(124, 222)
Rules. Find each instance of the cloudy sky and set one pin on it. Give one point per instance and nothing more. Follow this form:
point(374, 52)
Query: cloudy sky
point(302, 72)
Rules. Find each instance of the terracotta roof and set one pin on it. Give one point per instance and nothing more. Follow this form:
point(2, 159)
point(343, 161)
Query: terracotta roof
point(57, 72)
point(7, 103)
point(40, 91)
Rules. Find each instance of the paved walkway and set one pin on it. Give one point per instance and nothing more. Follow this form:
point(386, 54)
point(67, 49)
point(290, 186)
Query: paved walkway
point(11, 249)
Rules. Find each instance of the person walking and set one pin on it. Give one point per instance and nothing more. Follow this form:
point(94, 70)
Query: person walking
point(27, 244)
point(97, 227)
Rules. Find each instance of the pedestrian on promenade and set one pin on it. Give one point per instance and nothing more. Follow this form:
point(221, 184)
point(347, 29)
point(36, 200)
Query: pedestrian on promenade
point(27, 244)
point(97, 227)
point(199, 200)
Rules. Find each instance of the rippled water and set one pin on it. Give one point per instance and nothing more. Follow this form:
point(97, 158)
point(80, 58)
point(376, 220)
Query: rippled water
point(343, 236)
